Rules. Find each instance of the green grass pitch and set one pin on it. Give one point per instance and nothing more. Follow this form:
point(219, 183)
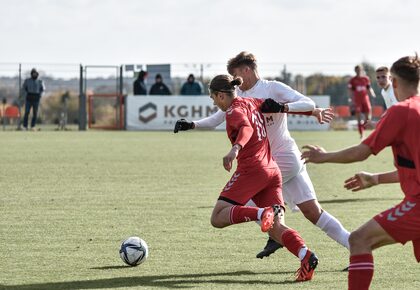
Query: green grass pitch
point(68, 199)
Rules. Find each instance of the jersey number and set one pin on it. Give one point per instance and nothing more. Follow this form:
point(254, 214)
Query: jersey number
point(259, 123)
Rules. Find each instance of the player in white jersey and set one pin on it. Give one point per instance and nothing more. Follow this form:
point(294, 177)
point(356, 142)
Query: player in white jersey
point(298, 190)
point(383, 78)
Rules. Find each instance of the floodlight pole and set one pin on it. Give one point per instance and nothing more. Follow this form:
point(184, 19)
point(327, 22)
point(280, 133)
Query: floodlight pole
point(82, 103)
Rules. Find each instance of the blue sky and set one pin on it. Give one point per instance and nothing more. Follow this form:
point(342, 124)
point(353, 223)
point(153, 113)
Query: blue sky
point(185, 31)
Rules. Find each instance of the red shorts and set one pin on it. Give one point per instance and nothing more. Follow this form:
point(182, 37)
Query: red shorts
point(263, 186)
point(402, 223)
point(362, 106)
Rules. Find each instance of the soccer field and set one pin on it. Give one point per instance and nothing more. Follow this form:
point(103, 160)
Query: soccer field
point(68, 199)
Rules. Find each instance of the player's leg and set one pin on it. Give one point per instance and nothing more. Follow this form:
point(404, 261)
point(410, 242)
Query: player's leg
point(271, 246)
point(300, 191)
point(362, 241)
point(28, 106)
point(400, 224)
point(35, 105)
point(290, 165)
point(367, 113)
point(229, 208)
point(283, 234)
point(225, 214)
point(359, 121)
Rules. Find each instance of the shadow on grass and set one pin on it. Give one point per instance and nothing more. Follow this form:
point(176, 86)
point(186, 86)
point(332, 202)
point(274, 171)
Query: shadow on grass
point(162, 281)
point(324, 201)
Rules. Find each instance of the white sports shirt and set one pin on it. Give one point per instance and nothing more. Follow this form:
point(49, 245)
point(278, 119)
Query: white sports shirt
point(389, 97)
point(283, 147)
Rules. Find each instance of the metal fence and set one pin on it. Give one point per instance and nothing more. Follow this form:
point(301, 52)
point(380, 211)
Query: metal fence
point(76, 80)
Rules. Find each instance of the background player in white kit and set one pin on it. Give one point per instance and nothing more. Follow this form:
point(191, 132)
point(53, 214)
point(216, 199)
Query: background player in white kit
point(298, 190)
point(383, 78)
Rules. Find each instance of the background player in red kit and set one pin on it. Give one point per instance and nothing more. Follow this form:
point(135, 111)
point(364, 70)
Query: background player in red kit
point(399, 128)
point(359, 87)
point(257, 175)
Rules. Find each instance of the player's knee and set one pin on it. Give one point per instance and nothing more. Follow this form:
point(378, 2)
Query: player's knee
point(215, 222)
point(311, 213)
point(358, 239)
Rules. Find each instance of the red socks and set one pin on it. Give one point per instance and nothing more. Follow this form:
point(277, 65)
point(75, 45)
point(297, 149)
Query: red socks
point(292, 241)
point(241, 214)
point(360, 271)
point(361, 128)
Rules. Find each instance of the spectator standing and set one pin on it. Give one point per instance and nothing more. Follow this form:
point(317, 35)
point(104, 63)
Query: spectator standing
point(32, 88)
point(159, 88)
point(191, 87)
point(139, 87)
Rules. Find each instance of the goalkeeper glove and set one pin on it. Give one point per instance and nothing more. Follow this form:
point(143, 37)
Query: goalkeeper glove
point(271, 106)
point(183, 125)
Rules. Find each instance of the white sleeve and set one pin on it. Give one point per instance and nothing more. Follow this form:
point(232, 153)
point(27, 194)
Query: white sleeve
point(211, 121)
point(296, 101)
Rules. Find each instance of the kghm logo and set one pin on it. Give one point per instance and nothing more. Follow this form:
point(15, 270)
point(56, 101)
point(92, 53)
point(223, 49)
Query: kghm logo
point(147, 112)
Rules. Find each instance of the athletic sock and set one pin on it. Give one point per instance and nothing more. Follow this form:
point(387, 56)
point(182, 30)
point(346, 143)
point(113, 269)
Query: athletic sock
point(360, 128)
point(360, 271)
point(302, 253)
point(333, 228)
point(259, 214)
point(241, 214)
point(292, 241)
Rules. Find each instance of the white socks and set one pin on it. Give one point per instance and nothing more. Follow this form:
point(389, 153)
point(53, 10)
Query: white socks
point(259, 214)
point(334, 229)
point(302, 253)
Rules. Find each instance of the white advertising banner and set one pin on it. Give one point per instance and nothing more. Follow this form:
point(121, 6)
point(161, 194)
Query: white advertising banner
point(309, 123)
point(162, 112)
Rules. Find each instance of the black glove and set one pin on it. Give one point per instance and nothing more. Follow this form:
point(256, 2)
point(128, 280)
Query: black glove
point(271, 106)
point(183, 125)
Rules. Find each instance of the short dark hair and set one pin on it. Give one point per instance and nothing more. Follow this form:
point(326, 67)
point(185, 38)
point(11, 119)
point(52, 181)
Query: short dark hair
point(408, 68)
point(243, 58)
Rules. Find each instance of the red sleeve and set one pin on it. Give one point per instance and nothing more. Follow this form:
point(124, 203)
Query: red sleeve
point(387, 129)
point(238, 121)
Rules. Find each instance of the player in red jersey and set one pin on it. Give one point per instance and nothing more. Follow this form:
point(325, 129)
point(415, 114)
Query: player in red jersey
point(399, 128)
point(257, 176)
point(359, 87)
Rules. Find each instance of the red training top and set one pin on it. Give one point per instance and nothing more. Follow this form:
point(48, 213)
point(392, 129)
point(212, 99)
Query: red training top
point(245, 126)
point(399, 127)
point(359, 86)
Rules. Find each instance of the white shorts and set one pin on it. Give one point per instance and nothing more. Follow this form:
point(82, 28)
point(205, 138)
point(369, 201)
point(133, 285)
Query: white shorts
point(298, 190)
point(297, 186)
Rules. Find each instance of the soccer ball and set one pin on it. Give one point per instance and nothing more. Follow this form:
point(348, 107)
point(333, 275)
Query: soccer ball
point(134, 251)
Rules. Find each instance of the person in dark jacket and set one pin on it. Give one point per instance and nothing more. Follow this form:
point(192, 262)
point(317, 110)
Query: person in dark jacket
point(159, 88)
point(32, 89)
point(139, 87)
point(191, 87)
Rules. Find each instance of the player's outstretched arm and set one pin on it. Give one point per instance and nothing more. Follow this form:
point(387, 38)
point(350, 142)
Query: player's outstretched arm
point(363, 180)
point(317, 154)
point(183, 125)
point(271, 106)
